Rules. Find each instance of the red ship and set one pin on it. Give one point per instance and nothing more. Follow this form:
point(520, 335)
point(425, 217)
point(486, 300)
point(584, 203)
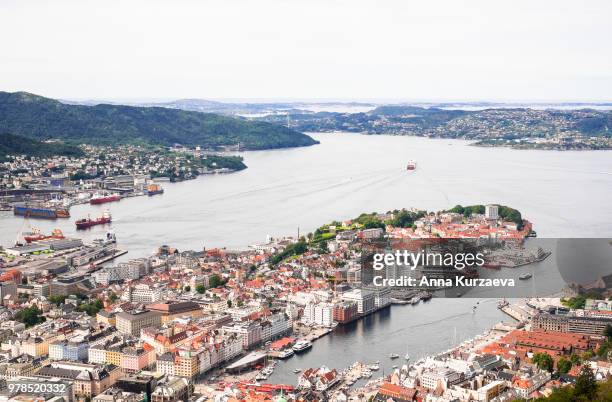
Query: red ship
point(88, 222)
point(411, 165)
point(35, 235)
point(101, 199)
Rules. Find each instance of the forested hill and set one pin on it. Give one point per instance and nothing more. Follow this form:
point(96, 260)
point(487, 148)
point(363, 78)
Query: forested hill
point(17, 145)
point(42, 118)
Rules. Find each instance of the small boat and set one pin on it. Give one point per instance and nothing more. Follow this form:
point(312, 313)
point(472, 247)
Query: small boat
point(297, 370)
point(393, 356)
point(525, 276)
point(374, 367)
point(411, 165)
point(407, 357)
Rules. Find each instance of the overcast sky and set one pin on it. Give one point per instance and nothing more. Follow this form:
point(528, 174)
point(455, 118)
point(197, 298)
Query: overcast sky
point(309, 49)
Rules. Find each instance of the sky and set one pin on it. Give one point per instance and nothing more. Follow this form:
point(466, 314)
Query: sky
point(434, 50)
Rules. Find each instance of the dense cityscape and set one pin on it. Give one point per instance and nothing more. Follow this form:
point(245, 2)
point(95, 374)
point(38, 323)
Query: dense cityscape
point(211, 324)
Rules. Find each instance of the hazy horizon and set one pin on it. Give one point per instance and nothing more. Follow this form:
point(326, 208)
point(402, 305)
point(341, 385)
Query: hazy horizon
point(437, 51)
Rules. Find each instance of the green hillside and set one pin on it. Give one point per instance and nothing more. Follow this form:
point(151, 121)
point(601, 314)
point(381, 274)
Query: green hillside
point(17, 145)
point(42, 118)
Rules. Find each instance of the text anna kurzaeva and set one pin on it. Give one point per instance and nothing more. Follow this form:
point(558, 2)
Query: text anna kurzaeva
point(412, 260)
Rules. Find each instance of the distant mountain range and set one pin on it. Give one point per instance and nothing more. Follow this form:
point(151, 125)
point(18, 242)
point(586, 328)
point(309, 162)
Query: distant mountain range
point(17, 145)
point(42, 118)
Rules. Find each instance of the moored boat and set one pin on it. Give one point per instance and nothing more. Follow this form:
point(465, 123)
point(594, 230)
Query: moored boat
point(36, 235)
point(40, 211)
point(153, 189)
point(301, 346)
point(104, 198)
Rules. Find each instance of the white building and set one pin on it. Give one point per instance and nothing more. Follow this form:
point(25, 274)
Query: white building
point(145, 294)
point(492, 212)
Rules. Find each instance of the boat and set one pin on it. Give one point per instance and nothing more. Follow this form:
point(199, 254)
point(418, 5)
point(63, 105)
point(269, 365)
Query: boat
point(525, 276)
point(415, 300)
point(393, 356)
point(297, 370)
point(411, 165)
point(374, 367)
point(36, 235)
point(153, 189)
point(301, 346)
point(491, 265)
point(40, 211)
point(261, 376)
point(285, 354)
point(366, 373)
point(104, 198)
point(406, 356)
point(86, 223)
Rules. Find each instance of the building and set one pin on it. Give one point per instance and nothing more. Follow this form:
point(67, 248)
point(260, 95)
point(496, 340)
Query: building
point(8, 293)
point(249, 331)
point(176, 389)
point(137, 384)
point(170, 310)
point(144, 294)
point(345, 312)
point(440, 377)
point(132, 323)
point(570, 323)
point(492, 212)
point(526, 385)
point(67, 350)
point(118, 395)
point(88, 379)
point(364, 299)
point(602, 305)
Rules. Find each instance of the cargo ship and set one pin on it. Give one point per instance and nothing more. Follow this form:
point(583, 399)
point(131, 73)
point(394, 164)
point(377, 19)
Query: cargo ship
point(153, 189)
point(36, 235)
point(104, 198)
point(40, 211)
point(411, 165)
point(86, 223)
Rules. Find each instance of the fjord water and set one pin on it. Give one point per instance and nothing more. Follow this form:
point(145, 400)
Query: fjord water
point(565, 194)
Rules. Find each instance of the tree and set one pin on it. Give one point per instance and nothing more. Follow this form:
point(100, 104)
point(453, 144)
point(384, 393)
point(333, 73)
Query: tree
point(216, 281)
point(187, 288)
point(575, 359)
point(585, 384)
point(113, 297)
point(543, 361)
point(200, 288)
point(564, 365)
point(30, 316)
point(608, 332)
point(57, 299)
